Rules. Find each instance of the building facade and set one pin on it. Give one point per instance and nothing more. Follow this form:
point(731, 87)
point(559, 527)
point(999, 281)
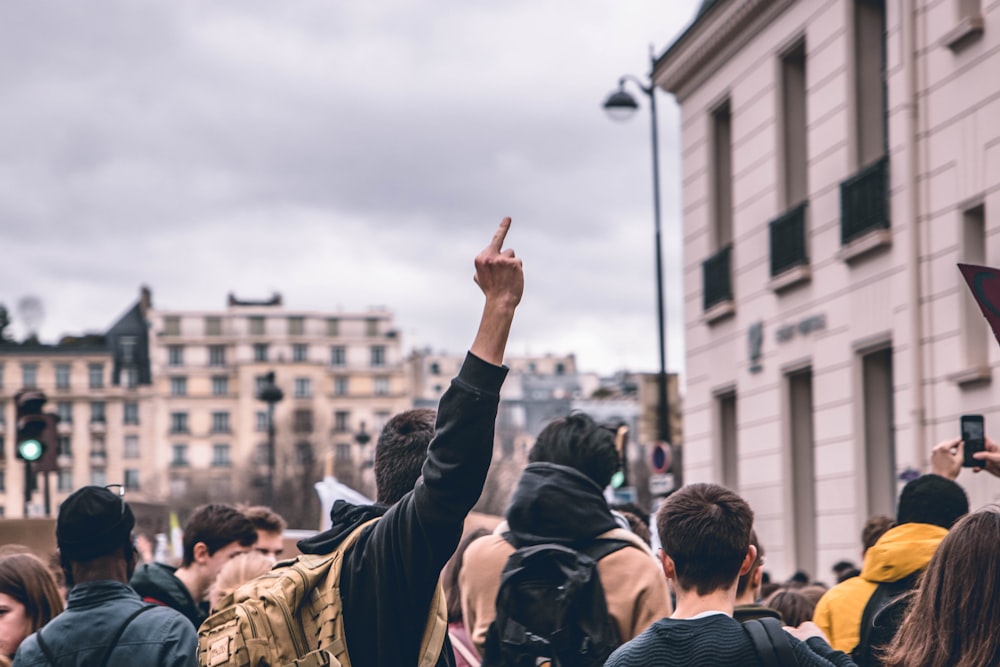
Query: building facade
point(839, 158)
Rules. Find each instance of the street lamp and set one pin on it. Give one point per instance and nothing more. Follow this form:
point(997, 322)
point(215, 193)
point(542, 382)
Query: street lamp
point(363, 438)
point(270, 393)
point(620, 106)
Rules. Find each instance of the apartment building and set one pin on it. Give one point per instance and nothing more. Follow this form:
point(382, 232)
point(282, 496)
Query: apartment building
point(342, 376)
point(99, 385)
point(839, 158)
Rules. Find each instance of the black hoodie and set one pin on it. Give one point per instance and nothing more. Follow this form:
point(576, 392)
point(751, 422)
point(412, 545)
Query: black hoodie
point(390, 575)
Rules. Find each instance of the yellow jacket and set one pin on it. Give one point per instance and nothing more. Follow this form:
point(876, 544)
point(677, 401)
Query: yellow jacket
point(902, 551)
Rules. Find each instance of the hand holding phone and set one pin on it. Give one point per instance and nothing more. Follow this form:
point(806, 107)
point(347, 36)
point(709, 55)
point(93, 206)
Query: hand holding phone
point(974, 439)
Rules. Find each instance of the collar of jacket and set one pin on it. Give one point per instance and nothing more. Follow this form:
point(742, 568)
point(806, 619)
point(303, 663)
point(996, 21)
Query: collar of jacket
point(902, 551)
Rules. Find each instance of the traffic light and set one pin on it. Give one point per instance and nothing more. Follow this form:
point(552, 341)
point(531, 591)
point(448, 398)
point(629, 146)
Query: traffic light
point(50, 445)
point(31, 425)
point(620, 478)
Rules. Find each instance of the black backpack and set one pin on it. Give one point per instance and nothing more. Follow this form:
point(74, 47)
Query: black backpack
point(770, 642)
point(551, 608)
point(881, 619)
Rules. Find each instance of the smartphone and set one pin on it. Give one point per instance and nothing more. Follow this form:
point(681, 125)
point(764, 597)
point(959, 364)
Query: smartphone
point(974, 437)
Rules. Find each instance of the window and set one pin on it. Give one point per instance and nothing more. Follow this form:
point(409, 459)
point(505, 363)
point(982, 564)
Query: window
point(303, 387)
point(131, 411)
point(435, 368)
point(131, 479)
point(127, 346)
point(343, 451)
point(220, 456)
point(338, 355)
point(560, 368)
point(29, 376)
point(178, 486)
point(296, 326)
point(332, 326)
point(256, 325)
point(300, 352)
point(341, 421)
point(727, 455)
point(381, 417)
point(3, 482)
point(381, 385)
point(341, 385)
point(65, 446)
point(180, 456)
point(65, 480)
point(62, 376)
point(793, 125)
point(261, 421)
point(975, 330)
point(175, 355)
point(260, 457)
point(220, 385)
point(98, 447)
point(64, 409)
point(97, 412)
point(378, 355)
point(722, 176)
point(95, 374)
point(216, 355)
point(260, 352)
point(304, 453)
point(220, 422)
point(131, 378)
point(172, 325)
point(178, 422)
point(131, 449)
point(213, 325)
point(98, 477)
point(302, 421)
point(178, 386)
point(870, 97)
point(260, 383)
point(371, 326)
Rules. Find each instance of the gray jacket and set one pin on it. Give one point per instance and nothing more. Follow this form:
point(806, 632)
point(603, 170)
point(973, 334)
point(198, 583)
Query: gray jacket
point(95, 610)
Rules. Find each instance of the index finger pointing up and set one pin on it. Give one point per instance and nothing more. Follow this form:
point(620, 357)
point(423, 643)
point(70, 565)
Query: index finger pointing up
point(501, 233)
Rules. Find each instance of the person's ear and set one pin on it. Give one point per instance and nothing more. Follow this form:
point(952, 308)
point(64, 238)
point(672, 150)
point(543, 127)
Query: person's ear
point(748, 560)
point(756, 578)
point(667, 563)
point(201, 552)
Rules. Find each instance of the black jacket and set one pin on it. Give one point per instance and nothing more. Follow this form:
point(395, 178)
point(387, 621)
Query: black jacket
point(157, 583)
point(390, 575)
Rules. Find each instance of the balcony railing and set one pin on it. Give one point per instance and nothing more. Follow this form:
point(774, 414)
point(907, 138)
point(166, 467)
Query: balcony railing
point(717, 278)
point(864, 201)
point(788, 240)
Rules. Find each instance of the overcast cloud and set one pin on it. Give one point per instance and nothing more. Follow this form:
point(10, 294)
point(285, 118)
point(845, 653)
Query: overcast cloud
point(344, 154)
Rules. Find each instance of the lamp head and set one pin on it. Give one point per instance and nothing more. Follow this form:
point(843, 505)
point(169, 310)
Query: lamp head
point(620, 105)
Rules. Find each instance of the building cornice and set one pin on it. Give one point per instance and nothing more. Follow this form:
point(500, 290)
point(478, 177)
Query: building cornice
point(712, 39)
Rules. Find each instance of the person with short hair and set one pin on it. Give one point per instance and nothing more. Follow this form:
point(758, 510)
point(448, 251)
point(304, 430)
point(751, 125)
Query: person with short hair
point(429, 472)
point(705, 533)
point(928, 507)
point(748, 588)
point(29, 599)
point(104, 618)
point(559, 499)
point(270, 528)
point(212, 535)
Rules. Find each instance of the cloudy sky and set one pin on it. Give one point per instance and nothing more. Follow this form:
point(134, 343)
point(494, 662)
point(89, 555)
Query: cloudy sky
point(345, 154)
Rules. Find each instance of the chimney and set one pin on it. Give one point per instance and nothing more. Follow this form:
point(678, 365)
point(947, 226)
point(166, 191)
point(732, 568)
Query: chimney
point(145, 300)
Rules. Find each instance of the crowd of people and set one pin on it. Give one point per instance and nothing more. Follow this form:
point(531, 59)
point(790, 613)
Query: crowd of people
point(564, 579)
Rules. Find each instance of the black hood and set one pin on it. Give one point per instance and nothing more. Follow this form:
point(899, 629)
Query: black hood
point(345, 517)
point(556, 503)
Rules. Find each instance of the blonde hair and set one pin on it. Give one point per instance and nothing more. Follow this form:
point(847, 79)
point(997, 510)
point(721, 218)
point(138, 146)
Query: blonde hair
point(239, 570)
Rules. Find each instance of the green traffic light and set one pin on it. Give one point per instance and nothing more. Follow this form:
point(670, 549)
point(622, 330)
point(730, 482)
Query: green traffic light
point(30, 450)
point(617, 479)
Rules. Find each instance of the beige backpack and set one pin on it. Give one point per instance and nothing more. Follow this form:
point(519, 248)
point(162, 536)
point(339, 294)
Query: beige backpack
point(291, 617)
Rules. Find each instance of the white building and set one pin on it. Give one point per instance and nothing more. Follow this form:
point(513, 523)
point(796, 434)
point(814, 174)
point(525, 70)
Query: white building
point(839, 158)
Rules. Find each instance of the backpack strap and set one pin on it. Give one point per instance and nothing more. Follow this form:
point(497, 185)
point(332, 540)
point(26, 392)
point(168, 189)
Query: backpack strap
point(119, 632)
point(598, 549)
point(770, 642)
point(884, 595)
point(47, 650)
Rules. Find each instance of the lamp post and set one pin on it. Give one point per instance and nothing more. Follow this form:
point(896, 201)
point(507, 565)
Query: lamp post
point(363, 438)
point(270, 393)
point(620, 106)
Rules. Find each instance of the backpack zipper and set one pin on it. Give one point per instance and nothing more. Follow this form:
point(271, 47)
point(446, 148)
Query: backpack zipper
point(295, 629)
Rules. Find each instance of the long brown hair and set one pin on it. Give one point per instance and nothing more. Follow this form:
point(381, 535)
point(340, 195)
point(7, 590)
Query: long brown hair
point(24, 577)
point(954, 613)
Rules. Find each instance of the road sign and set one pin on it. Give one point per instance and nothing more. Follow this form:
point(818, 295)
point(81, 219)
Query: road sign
point(625, 494)
point(660, 458)
point(661, 485)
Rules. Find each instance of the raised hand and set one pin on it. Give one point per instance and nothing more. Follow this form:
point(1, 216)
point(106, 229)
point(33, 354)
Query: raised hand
point(501, 277)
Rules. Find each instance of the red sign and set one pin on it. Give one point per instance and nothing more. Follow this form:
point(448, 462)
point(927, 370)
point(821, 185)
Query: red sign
point(660, 458)
point(985, 285)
